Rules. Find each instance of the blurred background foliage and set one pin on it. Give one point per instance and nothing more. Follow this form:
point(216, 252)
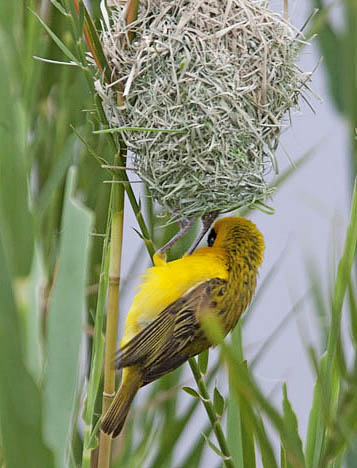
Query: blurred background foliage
point(55, 215)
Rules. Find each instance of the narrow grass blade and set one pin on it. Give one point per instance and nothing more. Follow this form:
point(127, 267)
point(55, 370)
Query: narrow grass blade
point(316, 430)
point(266, 449)
point(291, 423)
point(240, 449)
point(343, 277)
point(215, 419)
point(95, 46)
point(283, 461)
point(65, 325)
point(343, 430)
point(58, 41)
point(170, 438)
point(90, 442)
point(353, 312)
point(244, 385)
point(59, 7)
point(320, 308)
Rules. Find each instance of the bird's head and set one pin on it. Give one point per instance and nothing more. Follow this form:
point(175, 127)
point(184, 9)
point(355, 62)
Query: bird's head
point(238, 236)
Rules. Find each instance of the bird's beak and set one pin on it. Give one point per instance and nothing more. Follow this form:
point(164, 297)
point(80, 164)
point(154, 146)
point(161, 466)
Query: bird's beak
point(207, 221)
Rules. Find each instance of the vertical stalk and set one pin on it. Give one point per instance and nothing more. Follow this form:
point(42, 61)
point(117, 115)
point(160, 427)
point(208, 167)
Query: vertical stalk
point(97, 353)
point(211, 413)
point(131, 15)
point(117, 221)
point(286, 10)
point(132, 11)
point(114, 281)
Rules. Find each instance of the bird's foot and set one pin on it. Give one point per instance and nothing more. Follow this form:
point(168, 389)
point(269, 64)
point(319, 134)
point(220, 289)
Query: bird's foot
point(185, 224)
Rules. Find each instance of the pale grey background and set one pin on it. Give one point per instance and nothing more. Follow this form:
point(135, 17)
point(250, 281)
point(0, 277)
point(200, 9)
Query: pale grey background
point(311, 213)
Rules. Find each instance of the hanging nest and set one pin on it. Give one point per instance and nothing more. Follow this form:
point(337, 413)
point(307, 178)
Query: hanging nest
point(207, 84)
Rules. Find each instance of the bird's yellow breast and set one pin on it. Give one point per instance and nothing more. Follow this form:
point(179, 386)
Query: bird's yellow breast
point(166, 282)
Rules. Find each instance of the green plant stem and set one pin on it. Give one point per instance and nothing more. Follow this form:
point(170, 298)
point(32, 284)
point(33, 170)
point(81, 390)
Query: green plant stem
point(343, 275)
point(97, 352)
point(112, 314)
point(213, 417)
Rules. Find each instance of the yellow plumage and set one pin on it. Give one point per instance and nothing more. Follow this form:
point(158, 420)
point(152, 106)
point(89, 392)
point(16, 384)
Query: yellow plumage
point(163, 329)
point(165, 282)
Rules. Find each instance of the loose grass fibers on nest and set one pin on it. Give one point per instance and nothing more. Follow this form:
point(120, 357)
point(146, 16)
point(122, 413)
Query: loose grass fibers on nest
point(220, 73)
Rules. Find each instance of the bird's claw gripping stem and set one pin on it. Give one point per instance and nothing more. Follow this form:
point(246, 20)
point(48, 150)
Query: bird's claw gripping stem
point(185, 225)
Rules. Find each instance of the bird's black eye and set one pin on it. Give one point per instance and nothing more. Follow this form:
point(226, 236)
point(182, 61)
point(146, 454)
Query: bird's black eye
point(211, 237)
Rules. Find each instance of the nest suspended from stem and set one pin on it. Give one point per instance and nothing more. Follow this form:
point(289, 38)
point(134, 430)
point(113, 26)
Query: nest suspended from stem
point(207, 84)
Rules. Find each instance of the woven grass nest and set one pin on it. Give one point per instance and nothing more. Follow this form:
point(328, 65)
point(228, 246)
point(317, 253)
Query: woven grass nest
point(211, 81)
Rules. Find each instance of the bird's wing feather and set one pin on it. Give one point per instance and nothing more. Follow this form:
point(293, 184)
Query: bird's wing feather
point(171, 331)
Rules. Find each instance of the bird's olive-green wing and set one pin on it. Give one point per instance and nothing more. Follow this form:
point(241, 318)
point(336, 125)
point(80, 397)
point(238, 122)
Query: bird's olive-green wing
point(175, 329)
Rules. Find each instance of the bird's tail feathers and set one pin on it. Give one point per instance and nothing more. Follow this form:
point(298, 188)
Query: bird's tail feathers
point(114, 418)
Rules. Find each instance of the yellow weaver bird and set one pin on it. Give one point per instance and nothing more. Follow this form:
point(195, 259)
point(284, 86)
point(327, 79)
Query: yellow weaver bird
point(163, 328)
